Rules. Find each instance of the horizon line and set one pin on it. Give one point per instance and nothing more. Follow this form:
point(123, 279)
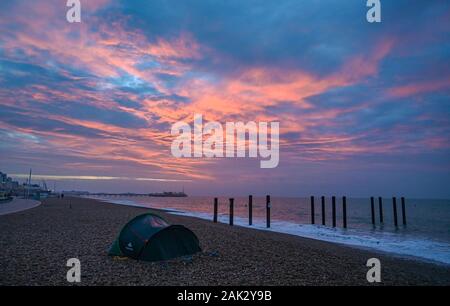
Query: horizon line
point(93, 177)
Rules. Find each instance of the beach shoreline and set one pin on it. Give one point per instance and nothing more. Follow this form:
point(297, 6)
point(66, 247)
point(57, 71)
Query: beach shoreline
point(409, 247)
point(38, 242)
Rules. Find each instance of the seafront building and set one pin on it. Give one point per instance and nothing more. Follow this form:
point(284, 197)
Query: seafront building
point(7, 185)
point(10, 187)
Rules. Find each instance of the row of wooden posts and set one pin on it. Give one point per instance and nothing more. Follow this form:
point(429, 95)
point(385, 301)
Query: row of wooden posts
point(394, 207)
point(333, 210)
point(344, 210)
point(250, 210)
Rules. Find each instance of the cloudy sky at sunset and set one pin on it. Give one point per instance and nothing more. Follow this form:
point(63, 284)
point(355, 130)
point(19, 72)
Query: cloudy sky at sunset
point(364, 109)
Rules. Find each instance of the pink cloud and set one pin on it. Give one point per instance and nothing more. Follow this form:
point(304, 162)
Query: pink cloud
point(419, 88)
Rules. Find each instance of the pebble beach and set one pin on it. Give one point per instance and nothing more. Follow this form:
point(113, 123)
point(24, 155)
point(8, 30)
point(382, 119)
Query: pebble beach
point(36, 244)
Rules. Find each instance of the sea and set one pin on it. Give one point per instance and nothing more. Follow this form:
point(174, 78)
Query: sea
point(425, 237)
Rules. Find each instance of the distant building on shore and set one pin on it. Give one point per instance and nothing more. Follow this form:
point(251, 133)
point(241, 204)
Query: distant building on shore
point(3, 177)
point(75, 192)
point(7, 185)
point(13, 188)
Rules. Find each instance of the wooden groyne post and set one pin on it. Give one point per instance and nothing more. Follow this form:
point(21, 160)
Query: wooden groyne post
point(333, 210)
point(216, 201)
point(250, 210)
point(344, 211)
point(380, 206)
point(323, 210)
point(231, 211)
point(372, 210)
point(403, 211)
point(312, 210)
point(268, 211)
point(394, 207)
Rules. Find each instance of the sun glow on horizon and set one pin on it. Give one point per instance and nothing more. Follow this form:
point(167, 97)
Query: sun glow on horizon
point(93, 177)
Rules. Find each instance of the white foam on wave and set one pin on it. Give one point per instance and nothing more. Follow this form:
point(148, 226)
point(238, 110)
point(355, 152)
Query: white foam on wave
point(403, 245)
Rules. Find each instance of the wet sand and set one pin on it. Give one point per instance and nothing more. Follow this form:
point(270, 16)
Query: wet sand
point(36, 244)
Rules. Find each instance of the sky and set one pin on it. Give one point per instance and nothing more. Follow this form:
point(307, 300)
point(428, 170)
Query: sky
point(363, 107)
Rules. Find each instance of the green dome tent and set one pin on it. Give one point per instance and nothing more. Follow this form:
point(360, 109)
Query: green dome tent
point(149, 237)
